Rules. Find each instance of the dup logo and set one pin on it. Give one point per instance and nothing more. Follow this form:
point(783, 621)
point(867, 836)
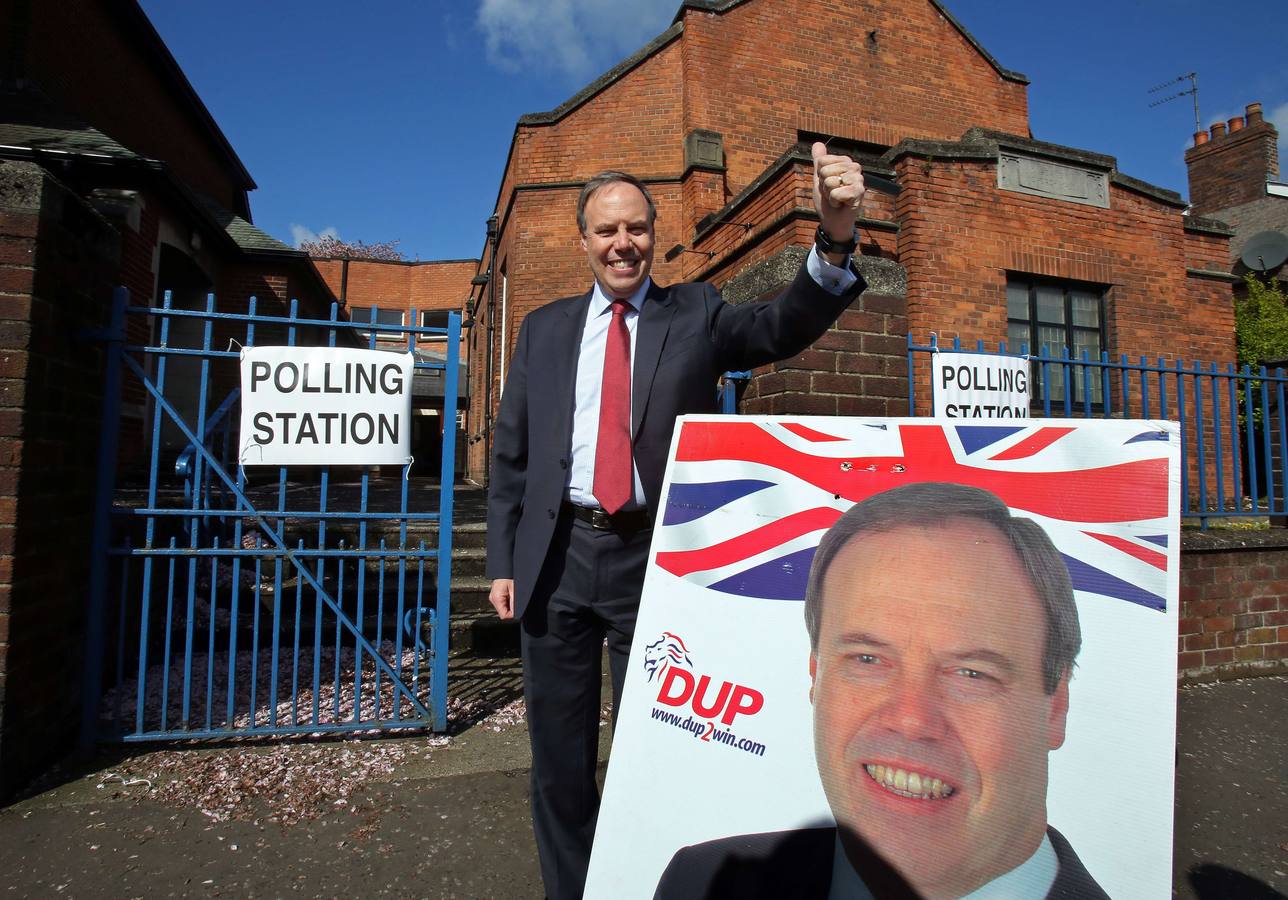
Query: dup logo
point(667, 662)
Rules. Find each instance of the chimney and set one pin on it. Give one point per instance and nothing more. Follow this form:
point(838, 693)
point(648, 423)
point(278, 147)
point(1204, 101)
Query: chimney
point(1231, 162)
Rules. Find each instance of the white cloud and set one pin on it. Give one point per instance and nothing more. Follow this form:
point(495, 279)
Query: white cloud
point(302, 233)
point(574, 38)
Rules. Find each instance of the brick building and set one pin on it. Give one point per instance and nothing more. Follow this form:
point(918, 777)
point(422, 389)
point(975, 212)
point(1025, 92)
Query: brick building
point(994, 235)
point(112, 172)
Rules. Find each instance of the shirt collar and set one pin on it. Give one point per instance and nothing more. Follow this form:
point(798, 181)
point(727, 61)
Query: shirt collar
point(600, 302)
point(1031, 878)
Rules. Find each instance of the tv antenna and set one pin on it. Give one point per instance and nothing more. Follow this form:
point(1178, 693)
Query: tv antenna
point(1191, 91)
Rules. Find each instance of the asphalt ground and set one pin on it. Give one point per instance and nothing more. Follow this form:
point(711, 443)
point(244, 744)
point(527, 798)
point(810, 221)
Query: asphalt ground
point(426, 817)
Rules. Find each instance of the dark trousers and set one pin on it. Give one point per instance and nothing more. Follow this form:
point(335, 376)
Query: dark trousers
point(589, 591)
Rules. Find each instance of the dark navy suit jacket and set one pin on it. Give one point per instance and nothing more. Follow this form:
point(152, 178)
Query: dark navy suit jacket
point(797, 865)
point(685, 338)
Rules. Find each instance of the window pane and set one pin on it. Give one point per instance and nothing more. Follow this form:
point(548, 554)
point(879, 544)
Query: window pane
point(1052, 341)
point(1090, 342)
point(434, 318)
point(1017, 301)
point(1086, 308)
point(1017, 336)
point(1086, 340)
point(1050, 304)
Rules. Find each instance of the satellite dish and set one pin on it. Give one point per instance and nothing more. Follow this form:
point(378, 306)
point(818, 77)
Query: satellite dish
point(1265, 250)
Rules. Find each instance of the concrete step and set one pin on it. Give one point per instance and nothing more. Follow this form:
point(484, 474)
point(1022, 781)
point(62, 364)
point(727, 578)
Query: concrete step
point(483, 634)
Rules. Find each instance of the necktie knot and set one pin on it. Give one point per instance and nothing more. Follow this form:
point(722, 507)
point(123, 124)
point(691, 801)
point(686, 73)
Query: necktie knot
point(620, 307)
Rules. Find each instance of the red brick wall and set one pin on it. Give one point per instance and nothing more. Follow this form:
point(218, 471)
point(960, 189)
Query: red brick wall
point(443, 284)
point(764, 70)
point(1234, 610)
point(81, 56)
point(57, 262)
point(1231, 168)
point(961, 236)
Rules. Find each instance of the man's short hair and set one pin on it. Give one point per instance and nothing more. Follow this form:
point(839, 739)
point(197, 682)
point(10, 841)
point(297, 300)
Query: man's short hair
point(603, 179)
point(931, 504)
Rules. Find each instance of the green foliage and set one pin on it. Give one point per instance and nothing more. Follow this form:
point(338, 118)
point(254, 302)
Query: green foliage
point(1261, 322)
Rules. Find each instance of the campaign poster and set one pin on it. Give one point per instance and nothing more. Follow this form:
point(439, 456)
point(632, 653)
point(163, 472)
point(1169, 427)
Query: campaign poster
point(909, 652)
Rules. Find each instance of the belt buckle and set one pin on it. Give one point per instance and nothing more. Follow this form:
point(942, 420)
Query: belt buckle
point(601, 520)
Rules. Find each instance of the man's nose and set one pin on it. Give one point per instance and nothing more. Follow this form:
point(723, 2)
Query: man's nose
point(622, 240)
point(915, 708)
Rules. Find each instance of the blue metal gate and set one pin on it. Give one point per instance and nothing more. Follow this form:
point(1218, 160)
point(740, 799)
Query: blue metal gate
point(227, 601)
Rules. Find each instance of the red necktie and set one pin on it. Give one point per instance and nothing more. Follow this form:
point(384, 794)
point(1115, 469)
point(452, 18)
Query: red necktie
point(614, 474)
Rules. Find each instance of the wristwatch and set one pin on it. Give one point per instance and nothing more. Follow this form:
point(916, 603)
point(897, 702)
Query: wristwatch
point(828, 244)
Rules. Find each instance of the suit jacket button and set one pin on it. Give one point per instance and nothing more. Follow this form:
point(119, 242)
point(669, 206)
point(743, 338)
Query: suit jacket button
point(551, 513)
point(563, 463)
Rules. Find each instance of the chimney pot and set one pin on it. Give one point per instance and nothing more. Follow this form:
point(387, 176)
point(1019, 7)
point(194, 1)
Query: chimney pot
point(1200, 137)
point(1217, 130)
point(1236, 124)
point(1254, 113)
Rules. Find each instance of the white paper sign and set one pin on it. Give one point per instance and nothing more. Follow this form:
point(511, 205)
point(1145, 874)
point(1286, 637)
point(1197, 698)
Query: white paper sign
point(980, 386)
point(942, 645)
point(325, 406)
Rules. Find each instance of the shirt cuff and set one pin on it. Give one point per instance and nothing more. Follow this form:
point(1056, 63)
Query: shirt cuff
point(833, 279)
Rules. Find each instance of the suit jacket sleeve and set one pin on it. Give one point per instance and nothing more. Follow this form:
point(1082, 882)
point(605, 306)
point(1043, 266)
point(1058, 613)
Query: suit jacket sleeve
point(756, 334)
point(509, 463)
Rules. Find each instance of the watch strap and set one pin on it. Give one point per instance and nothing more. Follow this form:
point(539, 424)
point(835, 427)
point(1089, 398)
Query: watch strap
point(828, 244)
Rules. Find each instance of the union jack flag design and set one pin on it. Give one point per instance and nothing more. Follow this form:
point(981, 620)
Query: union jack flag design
point(749, 499)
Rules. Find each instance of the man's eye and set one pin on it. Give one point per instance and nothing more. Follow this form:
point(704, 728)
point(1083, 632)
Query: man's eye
point(868, 659)
point(974, 674)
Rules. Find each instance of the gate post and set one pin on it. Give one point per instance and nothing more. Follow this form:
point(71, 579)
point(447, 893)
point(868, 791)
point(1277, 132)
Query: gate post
point(109, 430)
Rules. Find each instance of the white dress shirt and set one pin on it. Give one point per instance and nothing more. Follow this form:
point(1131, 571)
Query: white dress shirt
point(590, 373)
point(1029, 880)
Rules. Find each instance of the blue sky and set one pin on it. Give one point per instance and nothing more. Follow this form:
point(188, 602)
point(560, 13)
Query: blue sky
point(392, 121)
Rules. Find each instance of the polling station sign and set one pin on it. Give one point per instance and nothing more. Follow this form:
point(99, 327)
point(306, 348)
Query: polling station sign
point(953, 640)
point(980, 386)
point(325, 406)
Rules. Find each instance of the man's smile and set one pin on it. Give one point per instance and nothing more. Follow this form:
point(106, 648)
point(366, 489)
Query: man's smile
point(907, 783)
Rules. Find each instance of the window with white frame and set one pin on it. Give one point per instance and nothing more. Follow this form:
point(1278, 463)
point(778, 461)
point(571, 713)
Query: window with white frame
point(383, 315)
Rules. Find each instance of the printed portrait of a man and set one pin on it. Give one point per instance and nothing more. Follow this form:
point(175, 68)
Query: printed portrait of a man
point(943, 635)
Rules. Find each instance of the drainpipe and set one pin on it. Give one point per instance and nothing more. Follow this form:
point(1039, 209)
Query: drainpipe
point(491, 345)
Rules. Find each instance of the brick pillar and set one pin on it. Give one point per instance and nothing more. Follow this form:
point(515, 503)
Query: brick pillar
point(57, 262)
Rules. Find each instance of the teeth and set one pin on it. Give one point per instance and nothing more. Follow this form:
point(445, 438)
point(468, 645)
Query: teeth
point(621, 263)
point(909, 784)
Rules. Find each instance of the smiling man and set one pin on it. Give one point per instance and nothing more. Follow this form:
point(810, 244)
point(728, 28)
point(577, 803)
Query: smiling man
point(943, 633)
point(596, 383)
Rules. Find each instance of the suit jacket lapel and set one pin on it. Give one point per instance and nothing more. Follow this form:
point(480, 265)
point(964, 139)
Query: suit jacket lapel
point(565, 345)
point(651, 331)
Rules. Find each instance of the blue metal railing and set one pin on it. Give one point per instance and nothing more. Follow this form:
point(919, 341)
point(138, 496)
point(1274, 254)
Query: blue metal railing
point(296, 605)
point(1233, 427)
point(727, 392)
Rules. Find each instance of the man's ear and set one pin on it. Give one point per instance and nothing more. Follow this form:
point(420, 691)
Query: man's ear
point(1057, 715)
point(583, 241)
point(813, 671)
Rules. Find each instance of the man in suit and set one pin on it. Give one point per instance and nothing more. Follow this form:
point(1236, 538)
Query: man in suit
point(943, 634)
point(595, 385)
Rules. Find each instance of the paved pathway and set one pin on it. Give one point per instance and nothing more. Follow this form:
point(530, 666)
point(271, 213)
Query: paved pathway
point(451, 820)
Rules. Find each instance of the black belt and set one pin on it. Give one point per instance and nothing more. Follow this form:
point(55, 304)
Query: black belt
point(625, 520)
